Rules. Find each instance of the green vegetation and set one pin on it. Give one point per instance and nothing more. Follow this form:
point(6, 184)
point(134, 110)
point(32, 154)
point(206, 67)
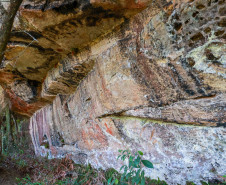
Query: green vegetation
point(42, 171)
point(133, 172)
point(12, 138)
point(64, 171)
point(17, 153)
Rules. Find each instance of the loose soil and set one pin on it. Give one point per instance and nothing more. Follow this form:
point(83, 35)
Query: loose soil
point(8, 176)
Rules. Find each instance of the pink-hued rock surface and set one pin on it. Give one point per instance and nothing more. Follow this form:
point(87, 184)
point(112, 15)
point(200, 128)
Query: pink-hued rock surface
point(108, 75)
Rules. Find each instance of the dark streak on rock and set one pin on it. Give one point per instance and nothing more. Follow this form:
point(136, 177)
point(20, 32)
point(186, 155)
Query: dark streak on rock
point(24, 35)
point(181, 81)
point(119, 126)
point(66, 8)
point(27, 44)
point(34, 86)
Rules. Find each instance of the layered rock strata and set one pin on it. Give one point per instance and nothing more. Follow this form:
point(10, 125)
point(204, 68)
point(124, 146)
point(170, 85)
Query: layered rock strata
point(156, 84)
point(45, 34)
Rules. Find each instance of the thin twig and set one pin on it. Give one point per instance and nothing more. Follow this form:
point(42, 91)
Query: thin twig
point(22, 52)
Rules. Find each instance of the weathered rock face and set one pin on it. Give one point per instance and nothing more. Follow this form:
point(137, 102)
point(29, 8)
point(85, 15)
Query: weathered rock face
point(154, 81)
point(158, 85)
point(48, 32)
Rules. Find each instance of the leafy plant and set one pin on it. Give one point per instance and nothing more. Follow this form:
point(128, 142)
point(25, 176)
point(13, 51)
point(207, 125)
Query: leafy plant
point(190, 183)
point(111, 173)
point(27, 180)
point(155, 182)
point(132, 172)
point(21, 163)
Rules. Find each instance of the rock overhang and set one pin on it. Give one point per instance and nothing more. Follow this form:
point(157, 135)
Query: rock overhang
point(154, 83)
point(46, 33)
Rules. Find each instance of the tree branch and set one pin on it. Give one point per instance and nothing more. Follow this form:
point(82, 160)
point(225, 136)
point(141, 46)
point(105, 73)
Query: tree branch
point(6, 23)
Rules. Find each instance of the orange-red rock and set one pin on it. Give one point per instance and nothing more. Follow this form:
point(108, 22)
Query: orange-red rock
point(125, 75)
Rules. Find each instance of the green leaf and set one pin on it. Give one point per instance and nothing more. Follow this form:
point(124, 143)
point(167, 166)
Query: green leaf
point(203, 183)
point(138, 173)
point(122, 167)
point(147, 163)
point(137, 180)
point(142, 173)
point(123, 157)
point(137, 162)
point(122, 177)
point(142, 181)
point(116, 181)
point(125, 169)
point(130, 163)
point(141, 153)
point(128, 176)
point(109, 180)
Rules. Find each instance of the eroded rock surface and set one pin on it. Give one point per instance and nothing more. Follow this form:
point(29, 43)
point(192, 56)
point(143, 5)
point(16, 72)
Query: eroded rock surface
point(45, 34)
point(153, 87)
point(116, 76)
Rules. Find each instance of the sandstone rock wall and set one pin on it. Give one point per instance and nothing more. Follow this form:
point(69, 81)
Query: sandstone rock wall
point(47, 33)
point(157, 84)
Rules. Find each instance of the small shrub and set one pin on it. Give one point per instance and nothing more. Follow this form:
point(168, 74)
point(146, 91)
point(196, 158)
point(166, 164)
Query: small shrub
point(111, 173)
point(27, 181)
point(155, 182)
point(21, 163)
point(133, 172)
